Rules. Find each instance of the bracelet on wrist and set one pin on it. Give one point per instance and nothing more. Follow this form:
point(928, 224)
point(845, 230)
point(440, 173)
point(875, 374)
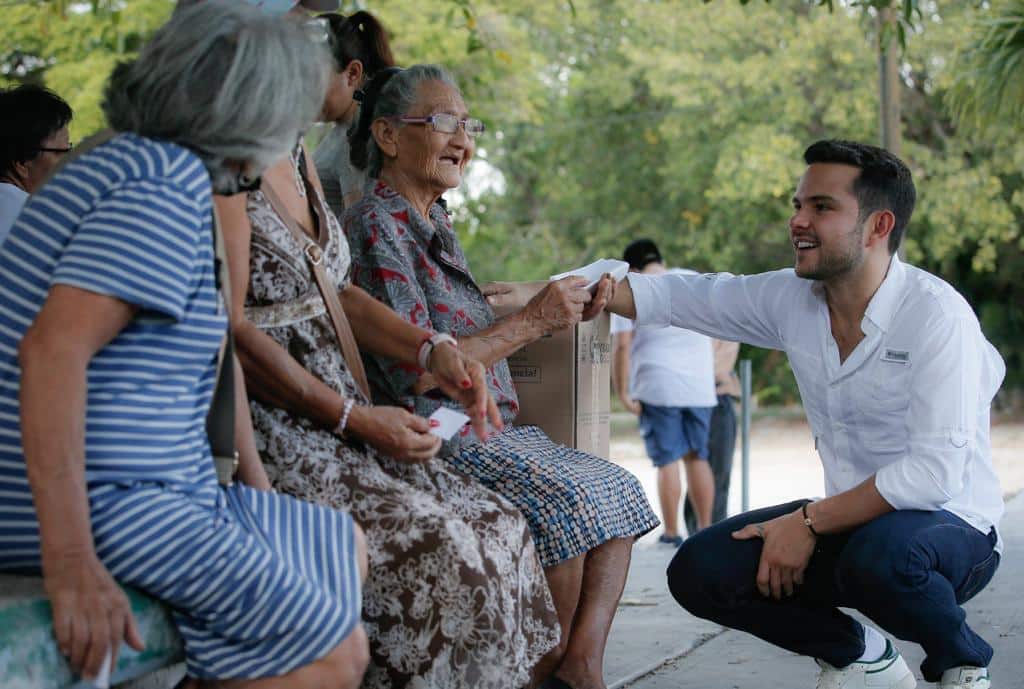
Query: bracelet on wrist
point(428, 345)
point(346, 410)
point(808, 522)
point(423, 352)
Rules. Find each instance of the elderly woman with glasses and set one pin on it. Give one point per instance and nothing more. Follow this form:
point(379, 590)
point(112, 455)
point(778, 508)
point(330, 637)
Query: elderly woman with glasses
point(456, 596)
point(415, 138)
point(111, 326)
point(33, 137)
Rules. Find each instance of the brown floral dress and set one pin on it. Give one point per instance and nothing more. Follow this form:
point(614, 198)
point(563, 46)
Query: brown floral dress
point(455, 596)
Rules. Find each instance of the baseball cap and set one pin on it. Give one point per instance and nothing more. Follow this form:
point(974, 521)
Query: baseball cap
point(641, 252)
point(278, 7)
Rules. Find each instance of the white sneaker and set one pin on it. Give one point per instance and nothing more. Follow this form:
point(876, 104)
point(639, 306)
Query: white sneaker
point(965, 677)
point(888, 672)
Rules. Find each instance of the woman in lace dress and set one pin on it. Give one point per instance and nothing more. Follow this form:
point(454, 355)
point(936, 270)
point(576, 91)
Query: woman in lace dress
point(456, 595)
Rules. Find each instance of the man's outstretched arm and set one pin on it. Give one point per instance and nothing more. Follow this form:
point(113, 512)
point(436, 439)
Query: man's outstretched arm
point(622, 301)
point(756, 309)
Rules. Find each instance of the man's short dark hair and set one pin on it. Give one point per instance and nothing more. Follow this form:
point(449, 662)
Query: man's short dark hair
point(640, 252)
point(28, 116)
point(884, 182)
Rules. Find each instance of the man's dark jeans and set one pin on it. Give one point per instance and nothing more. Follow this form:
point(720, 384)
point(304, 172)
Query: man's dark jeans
point(721, 446)
point(909, 571)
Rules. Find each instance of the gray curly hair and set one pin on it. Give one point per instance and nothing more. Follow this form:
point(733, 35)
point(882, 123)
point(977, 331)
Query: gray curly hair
point(225, 81)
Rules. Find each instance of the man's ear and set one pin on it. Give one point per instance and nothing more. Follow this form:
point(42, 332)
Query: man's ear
point(880, 224)
point(354, 74)
point(385, 133)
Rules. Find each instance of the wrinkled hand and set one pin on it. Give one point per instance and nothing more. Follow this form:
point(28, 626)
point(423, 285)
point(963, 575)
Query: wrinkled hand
point(395, 432)
point(788, 546)
point(603, 293)
point(91, 613)
point(465, 380)
point(560, 304)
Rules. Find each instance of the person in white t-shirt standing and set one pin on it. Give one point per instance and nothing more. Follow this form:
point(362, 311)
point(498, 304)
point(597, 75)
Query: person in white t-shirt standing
point(897, 380)
point(666, 376)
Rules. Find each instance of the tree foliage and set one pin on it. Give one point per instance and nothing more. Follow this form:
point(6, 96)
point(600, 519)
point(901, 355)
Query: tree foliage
point(988, 88)
point(684, 122)
point(73, 47)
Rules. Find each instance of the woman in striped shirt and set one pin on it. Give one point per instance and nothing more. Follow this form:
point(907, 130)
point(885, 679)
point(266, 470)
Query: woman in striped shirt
point(110, 327)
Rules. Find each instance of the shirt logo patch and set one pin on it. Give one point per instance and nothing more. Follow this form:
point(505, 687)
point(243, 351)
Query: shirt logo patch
point(897, 356)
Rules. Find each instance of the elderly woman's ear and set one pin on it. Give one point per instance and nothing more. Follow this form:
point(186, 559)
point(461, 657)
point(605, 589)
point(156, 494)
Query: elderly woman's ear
point(354, 73)
point(385, 133)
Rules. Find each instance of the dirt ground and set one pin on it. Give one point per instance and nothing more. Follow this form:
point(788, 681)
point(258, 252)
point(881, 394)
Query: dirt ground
point(784, 465)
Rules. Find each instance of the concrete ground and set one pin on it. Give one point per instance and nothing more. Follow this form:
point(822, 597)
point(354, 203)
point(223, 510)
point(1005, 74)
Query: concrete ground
point(654, 644)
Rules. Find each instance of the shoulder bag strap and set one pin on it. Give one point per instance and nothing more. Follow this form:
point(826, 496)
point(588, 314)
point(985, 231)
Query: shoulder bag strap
point(328, 291)
point(220, 419)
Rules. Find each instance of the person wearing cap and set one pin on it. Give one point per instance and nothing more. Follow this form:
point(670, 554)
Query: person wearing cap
point(666, 377)
point(897, 380)
point(33, 137)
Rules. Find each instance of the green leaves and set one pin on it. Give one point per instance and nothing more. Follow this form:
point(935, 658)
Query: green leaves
point(72, 48)
point(989, 87)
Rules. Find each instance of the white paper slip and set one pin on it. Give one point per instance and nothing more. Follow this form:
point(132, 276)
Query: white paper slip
point(593, 272)
point(449, 420)
point(102, 680)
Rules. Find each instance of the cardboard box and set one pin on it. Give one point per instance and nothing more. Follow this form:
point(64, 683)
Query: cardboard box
point(563, 379)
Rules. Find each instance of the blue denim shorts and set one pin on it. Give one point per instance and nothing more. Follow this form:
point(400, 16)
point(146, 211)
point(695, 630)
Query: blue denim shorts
point(672, 432)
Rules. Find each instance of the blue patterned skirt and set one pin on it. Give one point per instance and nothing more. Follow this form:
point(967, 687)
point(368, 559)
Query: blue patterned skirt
point(573, 501)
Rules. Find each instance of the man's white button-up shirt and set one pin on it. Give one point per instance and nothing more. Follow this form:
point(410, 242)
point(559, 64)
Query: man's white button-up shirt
point(910, 405)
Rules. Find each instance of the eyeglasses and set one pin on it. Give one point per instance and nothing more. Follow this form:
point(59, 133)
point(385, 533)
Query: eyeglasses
point(447, 124)
point(60, 151)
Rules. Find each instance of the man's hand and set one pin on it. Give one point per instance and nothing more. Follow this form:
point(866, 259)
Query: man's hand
point(631, 405)
point(788, 546)
point(559, 305)
point(395, 432)
point(91, 614)
point(465, 380)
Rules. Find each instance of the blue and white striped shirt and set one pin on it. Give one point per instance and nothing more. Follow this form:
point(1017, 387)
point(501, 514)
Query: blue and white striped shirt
point(131, 220)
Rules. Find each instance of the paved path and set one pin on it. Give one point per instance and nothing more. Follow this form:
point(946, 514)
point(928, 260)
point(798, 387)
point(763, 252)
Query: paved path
point(654, 644)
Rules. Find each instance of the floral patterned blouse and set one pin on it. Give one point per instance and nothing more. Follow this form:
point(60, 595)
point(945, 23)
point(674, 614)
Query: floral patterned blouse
point(419, 270)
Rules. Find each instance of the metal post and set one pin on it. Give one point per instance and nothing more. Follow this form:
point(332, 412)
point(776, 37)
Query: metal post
point(745, 430)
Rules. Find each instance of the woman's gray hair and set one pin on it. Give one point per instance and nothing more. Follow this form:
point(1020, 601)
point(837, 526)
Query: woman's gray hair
point(397, 97)
point(226, 81)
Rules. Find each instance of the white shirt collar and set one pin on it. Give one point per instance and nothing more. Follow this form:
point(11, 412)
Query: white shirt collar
point(887, 298)
point(889, 295)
